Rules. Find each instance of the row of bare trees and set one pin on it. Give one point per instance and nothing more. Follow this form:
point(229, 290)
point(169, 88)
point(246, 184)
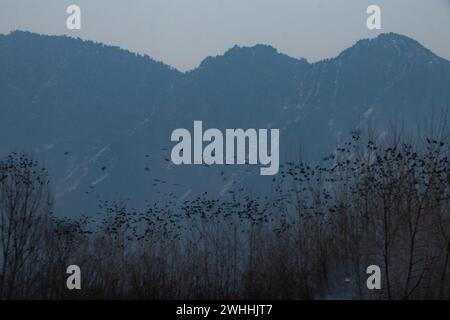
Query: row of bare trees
point(369, 203)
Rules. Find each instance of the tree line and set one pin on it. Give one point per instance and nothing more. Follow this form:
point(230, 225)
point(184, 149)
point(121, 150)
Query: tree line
point(370, 202)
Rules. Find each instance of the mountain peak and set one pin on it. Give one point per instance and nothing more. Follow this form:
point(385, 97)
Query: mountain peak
point(256, 49)
point(398, 42)
point(251, 56)
point(388, 44)
point(392, 36)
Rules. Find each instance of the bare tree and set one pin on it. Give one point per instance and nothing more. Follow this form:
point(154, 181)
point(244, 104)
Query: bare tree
point(25, 206)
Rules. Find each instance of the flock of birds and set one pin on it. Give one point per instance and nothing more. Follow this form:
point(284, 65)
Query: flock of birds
point(299, 187)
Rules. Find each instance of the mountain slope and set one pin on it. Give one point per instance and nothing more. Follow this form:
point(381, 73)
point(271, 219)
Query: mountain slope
point(73, 89)
point(392, 72)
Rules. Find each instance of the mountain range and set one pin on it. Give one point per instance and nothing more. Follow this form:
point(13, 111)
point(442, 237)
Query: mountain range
point(100, 117)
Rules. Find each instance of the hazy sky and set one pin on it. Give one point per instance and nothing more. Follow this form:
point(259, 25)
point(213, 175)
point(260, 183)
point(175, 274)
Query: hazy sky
point(182, 33)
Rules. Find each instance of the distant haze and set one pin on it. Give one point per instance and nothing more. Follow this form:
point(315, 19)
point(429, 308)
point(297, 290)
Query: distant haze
point(182, 33)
